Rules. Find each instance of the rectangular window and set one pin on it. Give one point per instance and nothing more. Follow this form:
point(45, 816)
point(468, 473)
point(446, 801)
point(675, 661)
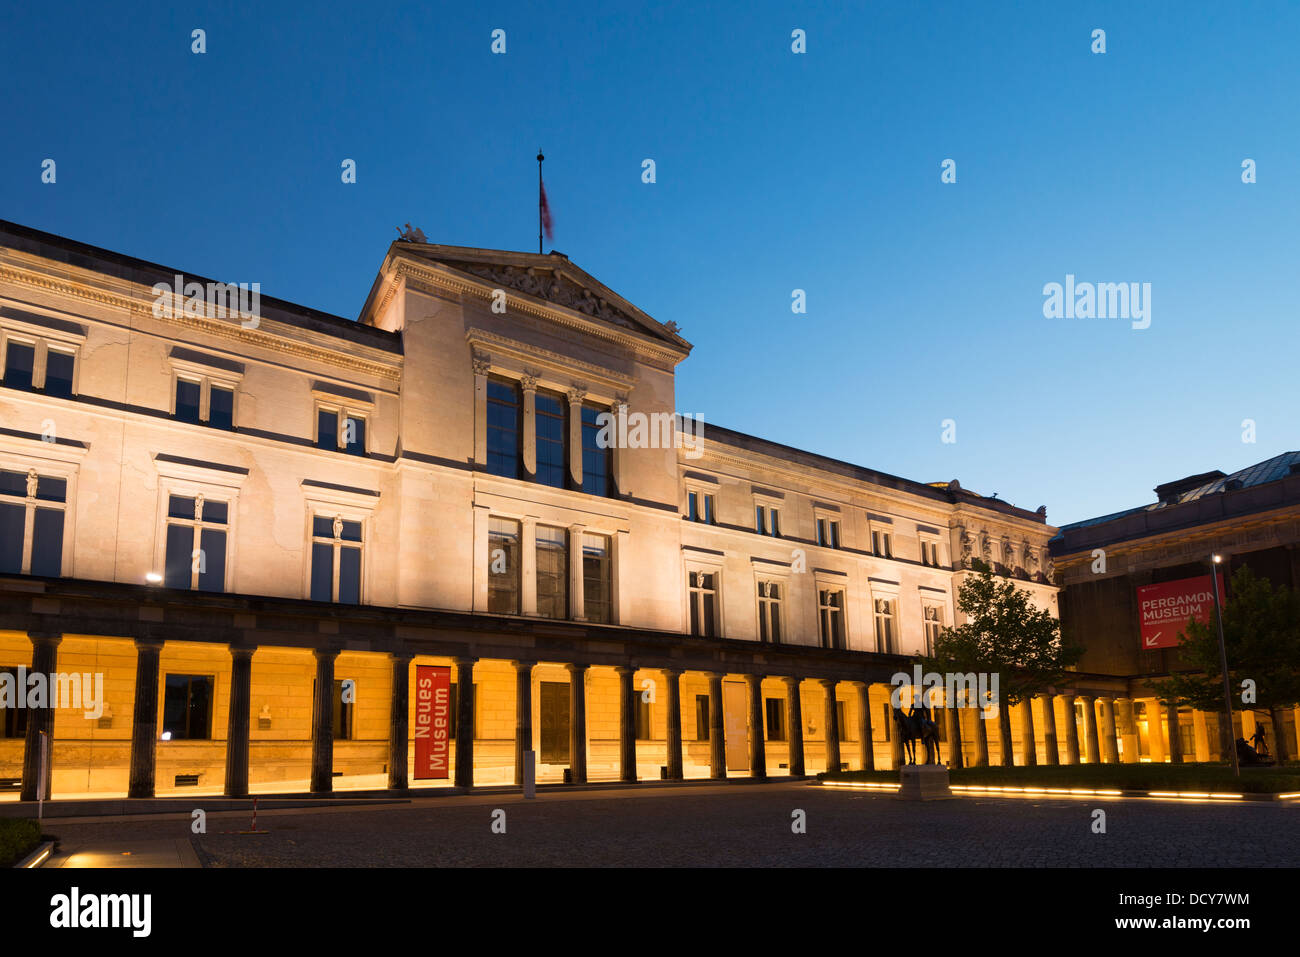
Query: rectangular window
point(13, 721)
point(20, 363)
point(882, 543)
point(597, 585)
point(933, 621)
point(31, 523)
point(929, 553)
point(552, 572)
point(335, 560)
point(196, 543)
point(769, 612)
point(503, 414)
point(703, 590)
point(699, 507)
point(701, 717)
point(841, 713)
point(597, 470)
point(830, 610)
point(59, 367)
point(828, 533)
point(503, 566)
point(552, 431)
point(643, 725)
point(337, 430)
point(767, 520)
point(199, 401)
point(187, 708)
point(775, 719)
point(886, 632)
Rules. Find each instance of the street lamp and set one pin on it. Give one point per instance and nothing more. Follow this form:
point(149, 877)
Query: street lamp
point(1216, 559)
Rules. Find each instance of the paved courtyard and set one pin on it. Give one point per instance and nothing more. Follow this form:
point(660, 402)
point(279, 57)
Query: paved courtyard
point(746, 825)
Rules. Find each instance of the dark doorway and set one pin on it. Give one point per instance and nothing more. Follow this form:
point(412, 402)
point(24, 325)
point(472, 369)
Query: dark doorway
point(555, 722)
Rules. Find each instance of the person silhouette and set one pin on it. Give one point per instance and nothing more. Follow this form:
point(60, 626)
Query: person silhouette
point(1258, 741)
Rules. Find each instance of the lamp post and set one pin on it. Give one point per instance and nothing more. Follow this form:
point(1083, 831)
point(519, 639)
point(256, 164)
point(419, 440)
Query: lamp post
point(1215, 559)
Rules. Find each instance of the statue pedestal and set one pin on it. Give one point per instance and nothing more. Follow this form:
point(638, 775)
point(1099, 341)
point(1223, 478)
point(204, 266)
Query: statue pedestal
point(924, 782)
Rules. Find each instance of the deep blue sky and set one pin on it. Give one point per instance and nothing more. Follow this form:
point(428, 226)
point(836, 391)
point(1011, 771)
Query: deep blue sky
point(776, 171)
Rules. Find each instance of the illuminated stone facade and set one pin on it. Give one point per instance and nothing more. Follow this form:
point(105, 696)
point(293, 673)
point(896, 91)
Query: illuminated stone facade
point(254, 508)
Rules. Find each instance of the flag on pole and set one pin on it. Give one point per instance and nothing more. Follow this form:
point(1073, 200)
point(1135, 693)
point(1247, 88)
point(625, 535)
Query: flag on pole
point(544, 209)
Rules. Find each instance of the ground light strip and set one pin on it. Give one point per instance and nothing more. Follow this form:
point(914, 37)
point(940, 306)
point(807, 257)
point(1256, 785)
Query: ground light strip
point(1067, 792)
point(39, 859)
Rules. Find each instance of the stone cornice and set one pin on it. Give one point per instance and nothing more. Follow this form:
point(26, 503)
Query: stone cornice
point(138, 301)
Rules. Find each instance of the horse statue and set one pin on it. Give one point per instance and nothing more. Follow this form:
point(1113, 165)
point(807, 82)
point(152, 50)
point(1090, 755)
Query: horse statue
point(918, 725)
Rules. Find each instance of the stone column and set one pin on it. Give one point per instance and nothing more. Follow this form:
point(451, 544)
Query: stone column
point(528, 390)
point(399, 717)
point(794, 718)
point(577, 585)
point(1175, 736)
point(757, 738)
point(1279, 743)
point(1155, 736)
point(1007, 756)
point(952, 721)
point(1109, 746)
point(237, 722)
point(1092, 741)
point(1128, 730)
point(577, 723)
point(482, 557)
point(144, 719)
point(45, 660)
point(864, 726)
point(626, 724)
point(832, 726)
point(523, 715)
point(717, 739)
point(1028, 742)
point(322, 727)
point(528, 565)
point(1071, 730)
point(465, 722)
point(1053, 756)
point(576, 395)
point(673, 696)
point(616, 456)
point(981, 738)
point(482, 366)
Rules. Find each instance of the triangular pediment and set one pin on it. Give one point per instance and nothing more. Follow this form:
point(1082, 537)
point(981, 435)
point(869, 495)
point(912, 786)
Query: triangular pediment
point(549, 278)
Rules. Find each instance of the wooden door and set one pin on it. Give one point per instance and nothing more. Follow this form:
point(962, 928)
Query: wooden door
point(555, 722)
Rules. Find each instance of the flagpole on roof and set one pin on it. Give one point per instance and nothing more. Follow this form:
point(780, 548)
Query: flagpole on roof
point(540, 157)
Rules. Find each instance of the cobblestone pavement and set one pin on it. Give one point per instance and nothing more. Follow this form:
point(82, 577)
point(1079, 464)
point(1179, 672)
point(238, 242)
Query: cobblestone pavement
point(748, 826)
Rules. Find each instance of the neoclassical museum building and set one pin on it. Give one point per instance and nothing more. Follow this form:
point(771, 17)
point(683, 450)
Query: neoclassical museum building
point(261, 528)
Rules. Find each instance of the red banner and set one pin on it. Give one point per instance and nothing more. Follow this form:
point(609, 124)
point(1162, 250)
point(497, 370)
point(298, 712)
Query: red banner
point(1165, 609)
point(432, 721)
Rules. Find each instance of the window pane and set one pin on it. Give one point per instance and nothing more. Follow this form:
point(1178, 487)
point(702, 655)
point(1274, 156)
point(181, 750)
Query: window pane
point(52, 489)
point(350, 576)
point(503, 566)
point(758, 520)
point(20, 359)
point(595, 460)
point(552, 572)
point(216, 512)
point(13, 520)
point(13, 483)
point(322, 526)
point(552, 463)
point(355, 435)
point(200, 710)
point(327, 430)
point(178, 507)
point(47, 542)
point(351, 532)
point(503, 429)
point(212, 567)
point(180, 556)
point(596, 591)
point(692, 507)
point(342, 714)
point(708, 615)
point(187, 401)
point(221, 408)
point(58, 374)
point(322, 572)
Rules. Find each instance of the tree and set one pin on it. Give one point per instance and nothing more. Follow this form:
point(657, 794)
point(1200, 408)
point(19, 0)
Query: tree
point(1261, 634)
point(1007, 636)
